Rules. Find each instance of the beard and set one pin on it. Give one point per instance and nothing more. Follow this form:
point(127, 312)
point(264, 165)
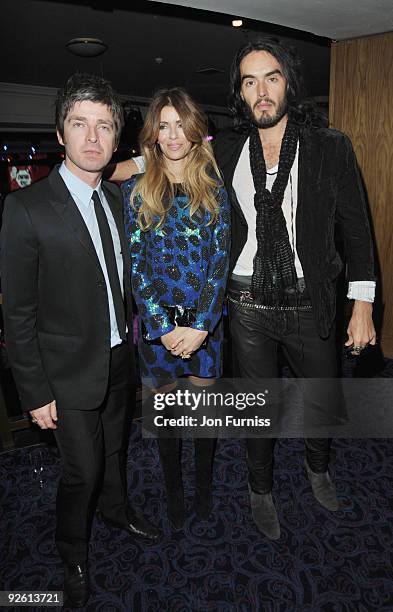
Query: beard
point(268, 121)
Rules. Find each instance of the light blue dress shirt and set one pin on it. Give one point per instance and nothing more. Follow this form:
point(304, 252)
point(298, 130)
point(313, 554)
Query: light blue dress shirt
point(82, 194)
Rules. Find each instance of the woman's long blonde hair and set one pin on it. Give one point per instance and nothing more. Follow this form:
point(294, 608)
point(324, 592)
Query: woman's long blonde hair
point(155, 189)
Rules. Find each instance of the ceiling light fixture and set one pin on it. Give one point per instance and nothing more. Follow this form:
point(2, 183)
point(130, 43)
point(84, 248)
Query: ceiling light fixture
point(237, 23)
point(86, 47)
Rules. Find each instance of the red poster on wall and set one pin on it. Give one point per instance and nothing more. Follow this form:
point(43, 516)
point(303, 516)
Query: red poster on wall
point(23, 176)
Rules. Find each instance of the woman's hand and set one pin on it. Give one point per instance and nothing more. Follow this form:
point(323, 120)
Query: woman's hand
point(190, 341)
point(172, 339)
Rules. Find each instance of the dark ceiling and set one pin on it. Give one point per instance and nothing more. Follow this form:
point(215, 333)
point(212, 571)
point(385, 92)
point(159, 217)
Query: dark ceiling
point(34, 35)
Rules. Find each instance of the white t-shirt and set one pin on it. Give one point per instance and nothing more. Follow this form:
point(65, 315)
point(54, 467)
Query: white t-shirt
point(243, 185)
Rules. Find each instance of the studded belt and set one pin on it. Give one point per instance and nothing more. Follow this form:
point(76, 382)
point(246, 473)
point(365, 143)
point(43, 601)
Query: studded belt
point(244, 299)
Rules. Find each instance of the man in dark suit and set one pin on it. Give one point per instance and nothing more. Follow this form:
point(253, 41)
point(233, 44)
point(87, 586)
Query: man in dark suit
point(290, 182)
point(67, 311)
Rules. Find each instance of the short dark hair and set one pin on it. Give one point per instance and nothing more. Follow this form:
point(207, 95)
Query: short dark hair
point(291, 67)
point(82, 86)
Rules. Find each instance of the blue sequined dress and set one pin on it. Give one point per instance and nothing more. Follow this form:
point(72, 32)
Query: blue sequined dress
point(185, 263)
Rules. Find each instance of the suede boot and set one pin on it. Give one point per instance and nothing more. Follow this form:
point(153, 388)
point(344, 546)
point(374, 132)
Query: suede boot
point(204, 456)
point(170, 456)
point(264, 514)
point(323, 488)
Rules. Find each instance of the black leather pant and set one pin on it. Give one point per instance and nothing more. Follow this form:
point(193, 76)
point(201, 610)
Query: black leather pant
point(255, 350)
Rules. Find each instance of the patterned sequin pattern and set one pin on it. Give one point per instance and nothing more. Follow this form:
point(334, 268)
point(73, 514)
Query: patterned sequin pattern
point(184, 262)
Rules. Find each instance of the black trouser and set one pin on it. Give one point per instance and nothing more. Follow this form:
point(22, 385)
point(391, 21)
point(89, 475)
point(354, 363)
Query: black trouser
point(93, 446)
point(255, 350)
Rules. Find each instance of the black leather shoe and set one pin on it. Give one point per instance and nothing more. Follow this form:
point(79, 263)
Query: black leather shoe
point(136, 525)
point(76, 585)
point(323, 488)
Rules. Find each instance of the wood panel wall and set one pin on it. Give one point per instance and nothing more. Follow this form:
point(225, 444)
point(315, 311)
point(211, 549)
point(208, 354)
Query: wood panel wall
point(361, 105)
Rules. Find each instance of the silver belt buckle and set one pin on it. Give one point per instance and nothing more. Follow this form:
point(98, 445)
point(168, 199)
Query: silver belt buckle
point(245, 296)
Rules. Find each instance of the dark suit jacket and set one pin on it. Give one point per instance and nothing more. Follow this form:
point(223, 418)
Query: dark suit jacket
point(55, 304)
point(329, 192)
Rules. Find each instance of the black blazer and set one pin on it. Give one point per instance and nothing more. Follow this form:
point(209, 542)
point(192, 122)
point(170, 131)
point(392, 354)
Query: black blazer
point(330, 193)
point(55, 304)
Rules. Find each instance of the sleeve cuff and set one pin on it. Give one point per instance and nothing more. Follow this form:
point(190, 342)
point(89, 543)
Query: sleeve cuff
point(153, 334)
point(140, 163)
point(361, 290)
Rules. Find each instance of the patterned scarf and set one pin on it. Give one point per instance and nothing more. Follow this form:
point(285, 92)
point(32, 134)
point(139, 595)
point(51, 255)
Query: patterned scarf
point(274, 267)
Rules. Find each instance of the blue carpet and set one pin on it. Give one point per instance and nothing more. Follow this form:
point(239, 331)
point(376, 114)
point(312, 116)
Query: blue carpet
point(329, 562)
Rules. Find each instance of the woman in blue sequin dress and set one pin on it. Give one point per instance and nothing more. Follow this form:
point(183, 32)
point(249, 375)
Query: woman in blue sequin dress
point(177, 222)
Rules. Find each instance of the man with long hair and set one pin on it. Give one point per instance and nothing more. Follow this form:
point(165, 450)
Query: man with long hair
point(67, 305)
point(290, 180)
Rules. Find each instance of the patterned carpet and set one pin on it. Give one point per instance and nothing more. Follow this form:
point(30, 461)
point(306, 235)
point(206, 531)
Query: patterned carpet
point(338, 562)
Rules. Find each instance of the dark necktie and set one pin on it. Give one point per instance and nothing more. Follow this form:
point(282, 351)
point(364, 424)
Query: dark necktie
point(110, 260)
